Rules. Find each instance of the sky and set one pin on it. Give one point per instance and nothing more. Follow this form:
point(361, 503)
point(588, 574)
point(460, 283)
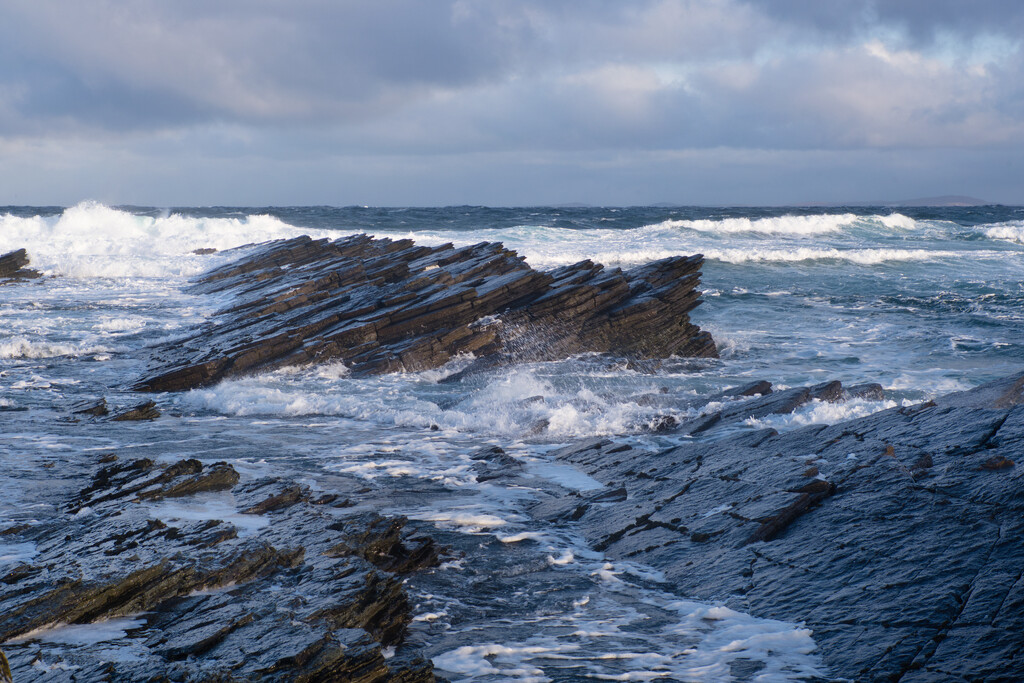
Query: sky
point(509, 102)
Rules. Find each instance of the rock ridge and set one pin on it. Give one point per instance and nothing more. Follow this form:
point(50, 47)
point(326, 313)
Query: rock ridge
point(383, 306)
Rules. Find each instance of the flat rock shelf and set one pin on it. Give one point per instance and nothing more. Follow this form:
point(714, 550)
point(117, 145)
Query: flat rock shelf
point(895, 537)
point(382, 306)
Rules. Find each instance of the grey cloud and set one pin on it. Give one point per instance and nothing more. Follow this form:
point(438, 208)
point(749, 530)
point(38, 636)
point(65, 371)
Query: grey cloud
point(923, 21)
point(533, 88)
point(252, 61)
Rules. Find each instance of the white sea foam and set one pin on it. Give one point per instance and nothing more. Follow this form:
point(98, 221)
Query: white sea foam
point(84, 634)
point(1012, 231)
point(207, 506)
point(470, 520)
point(21, 347)
point(598, 640)
point(732, 240)
point(131, 323)
point(865, 257)
point(822, 412)
point(93, 240)
point(16, 553)
point(518, 403)
point(776, 225)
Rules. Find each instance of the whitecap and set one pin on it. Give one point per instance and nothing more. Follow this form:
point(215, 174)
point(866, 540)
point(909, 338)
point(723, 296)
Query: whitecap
point(815, 224)
point(93, 240)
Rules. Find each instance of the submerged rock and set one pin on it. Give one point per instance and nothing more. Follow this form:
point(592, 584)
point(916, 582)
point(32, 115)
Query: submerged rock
point(12, 265)
point(895, 537)
point(381, 306)
point(143, 411)
point(92, 408)
point(381, 543)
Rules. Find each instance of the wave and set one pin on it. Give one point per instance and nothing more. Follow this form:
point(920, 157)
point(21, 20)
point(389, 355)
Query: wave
point(517, 403)
point(782, 239)
point(792, 225)
point(20, 347)
point(94, 240)
point(1012, 231)
point(751, 254)
point(864, 257)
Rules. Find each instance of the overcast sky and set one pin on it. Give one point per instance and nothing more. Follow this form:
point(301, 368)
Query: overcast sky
point(509, 102)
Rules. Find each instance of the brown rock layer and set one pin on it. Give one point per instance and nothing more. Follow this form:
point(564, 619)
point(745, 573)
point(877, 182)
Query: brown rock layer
point(12, 265)
point(381, 306)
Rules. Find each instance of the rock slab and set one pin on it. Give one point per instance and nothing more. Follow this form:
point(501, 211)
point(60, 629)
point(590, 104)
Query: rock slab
point(305, 596)
point(898, 538)
point(383, 306)
point(12, 266)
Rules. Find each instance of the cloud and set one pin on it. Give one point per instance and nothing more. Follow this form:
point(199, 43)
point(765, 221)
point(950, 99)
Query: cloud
point(582, 85)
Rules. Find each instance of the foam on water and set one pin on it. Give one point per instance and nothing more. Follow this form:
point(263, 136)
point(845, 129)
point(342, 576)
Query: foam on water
point(21, 347)
point(780, 225)
point(822, 412)
point(85, 634)
point(93, 240)
point(821, 238)
point(1012, 231)
point(864, 257)
point(623, 632)
point(541, 400)
point(203, 507)
point(16, 553)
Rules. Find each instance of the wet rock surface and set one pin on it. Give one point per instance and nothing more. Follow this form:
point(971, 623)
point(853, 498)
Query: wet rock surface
point(12, 266)
point(199, 598)
point(896, 537)
point(382, 306)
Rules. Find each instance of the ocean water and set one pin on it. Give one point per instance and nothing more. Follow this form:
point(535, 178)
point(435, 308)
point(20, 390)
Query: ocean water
point(923, 301)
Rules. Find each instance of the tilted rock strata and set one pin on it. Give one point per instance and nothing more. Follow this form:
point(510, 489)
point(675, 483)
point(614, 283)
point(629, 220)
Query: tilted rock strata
point(895, 537)
point(12, 265)
point(382, 306)
point(213, 603)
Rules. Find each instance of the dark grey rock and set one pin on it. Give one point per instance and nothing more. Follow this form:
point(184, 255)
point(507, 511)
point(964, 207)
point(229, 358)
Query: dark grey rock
point(895, 537)
point(201, 588)
point(382, 306)
point(143, 411)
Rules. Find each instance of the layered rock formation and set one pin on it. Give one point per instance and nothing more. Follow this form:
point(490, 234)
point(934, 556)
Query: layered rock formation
point(12, 265)
point(896, 537)
point(295, 593)
point(382, 306)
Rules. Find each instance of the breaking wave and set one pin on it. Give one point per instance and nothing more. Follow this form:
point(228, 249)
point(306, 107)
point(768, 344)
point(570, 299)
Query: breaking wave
point(94, 240)
point(1012, 231)
point(816, 224)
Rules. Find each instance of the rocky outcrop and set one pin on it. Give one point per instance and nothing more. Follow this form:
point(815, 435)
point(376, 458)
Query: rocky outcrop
point(382, 306)
point(143, 411)
point(895, 537)
point(12, 266)
point(193, 595)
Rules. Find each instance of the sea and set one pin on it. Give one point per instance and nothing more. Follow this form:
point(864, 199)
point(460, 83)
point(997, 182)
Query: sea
point(923, 301)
